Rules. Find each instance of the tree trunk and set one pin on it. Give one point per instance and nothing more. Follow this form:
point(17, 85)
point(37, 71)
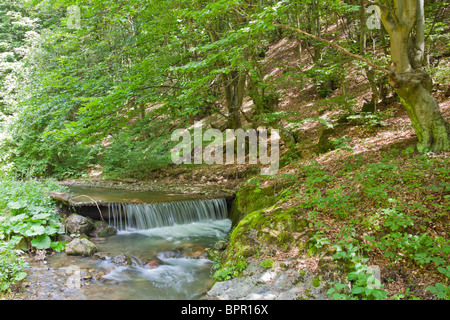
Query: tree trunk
point(234, 87)
point(362, 28)
point(431, 128)
point(408, 79)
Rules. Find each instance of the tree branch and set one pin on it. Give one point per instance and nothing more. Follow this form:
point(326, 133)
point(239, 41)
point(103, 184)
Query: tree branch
point(343, 50)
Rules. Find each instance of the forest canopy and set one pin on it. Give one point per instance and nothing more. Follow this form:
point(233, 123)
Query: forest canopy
point(109, 81)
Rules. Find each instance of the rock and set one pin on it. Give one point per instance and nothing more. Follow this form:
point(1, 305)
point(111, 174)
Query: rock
point(100, 256)
point(216, 251)
point(199, 254)
point(102, 229)
point(60, 197)
point(258, 283)
point(81, 247)
point(152, 265)
point(122, 260)
point(213, 254)
point(64, 238)
point(168, 255)
point(220, 245)
point(77, 224)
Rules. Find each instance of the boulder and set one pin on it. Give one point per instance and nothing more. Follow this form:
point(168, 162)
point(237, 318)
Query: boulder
point(199, 254)
point(77, 224)
point(102, 229)
point(100, 256)
point(122, 260)
point(81, 247)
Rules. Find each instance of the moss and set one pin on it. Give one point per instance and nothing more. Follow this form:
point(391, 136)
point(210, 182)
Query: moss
point(316, 282)
point(267, 263)
point(251, 198)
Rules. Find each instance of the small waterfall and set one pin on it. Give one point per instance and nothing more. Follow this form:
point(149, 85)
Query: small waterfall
point(131, 216)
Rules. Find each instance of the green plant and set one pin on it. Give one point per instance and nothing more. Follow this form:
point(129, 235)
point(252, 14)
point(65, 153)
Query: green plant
point(318, 240)
point(33, 224)
point(231, 269)
point(362, 281)
point(11, 266)
point(342, 143)
point(267, 263)
point(441, 290)
point(27, 216)
point(395, 220)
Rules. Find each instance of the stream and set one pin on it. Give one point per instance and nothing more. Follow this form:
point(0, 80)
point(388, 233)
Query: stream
point(167, 261)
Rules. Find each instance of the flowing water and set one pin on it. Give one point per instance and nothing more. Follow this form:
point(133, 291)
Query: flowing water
point(166, 242)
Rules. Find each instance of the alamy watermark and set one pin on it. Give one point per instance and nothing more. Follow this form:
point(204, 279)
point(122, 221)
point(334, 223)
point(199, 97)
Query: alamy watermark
point(374, 21)
point(74, 279)
point(74, 17)
point(255, 141)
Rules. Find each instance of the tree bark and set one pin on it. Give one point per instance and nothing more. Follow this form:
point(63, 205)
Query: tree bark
point(412, 84)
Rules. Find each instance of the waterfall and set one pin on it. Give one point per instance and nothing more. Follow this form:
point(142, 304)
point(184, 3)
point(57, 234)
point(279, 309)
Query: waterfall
point(132, 216)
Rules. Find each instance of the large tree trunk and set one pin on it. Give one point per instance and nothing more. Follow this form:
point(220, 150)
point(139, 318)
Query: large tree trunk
point(431, 128)
point(405, 25)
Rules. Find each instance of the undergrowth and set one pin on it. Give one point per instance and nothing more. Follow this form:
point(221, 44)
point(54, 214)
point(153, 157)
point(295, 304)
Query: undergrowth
point(28, 223)
point(389, 215)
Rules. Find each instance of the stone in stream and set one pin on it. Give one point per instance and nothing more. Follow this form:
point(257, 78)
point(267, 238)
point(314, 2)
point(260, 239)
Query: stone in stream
point(168, 255)
point(122, 260)
point(77, 224)
point(81, 247)
point(102, 229)
point(152, 265)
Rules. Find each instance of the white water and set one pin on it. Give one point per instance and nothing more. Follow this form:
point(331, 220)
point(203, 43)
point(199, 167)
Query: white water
point(132, 217)
point(148, 232)
point(177, 277)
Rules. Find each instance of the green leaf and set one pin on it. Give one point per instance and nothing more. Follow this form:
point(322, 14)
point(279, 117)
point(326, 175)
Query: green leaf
point(19, 217)
point(41, 242)
point(340, 286)
point(20, 276)
point(34, 230)
point(358, 290)
point(41, 216)
point(16, 239)
point(17, 205)
point(432, 289)
point(379, 294)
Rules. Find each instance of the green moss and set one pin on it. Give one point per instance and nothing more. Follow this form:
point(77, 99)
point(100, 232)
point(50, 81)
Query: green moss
point(251, 198)
point(316, 282)
point(267, 263)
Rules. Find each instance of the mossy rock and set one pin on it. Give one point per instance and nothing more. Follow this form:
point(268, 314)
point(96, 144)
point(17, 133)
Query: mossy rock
point(264, 229)
point(249, 199)
point(81, 247)
point(102, 230)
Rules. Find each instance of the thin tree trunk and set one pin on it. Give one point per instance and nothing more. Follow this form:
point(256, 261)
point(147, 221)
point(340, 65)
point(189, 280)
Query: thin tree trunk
point(234, 87)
